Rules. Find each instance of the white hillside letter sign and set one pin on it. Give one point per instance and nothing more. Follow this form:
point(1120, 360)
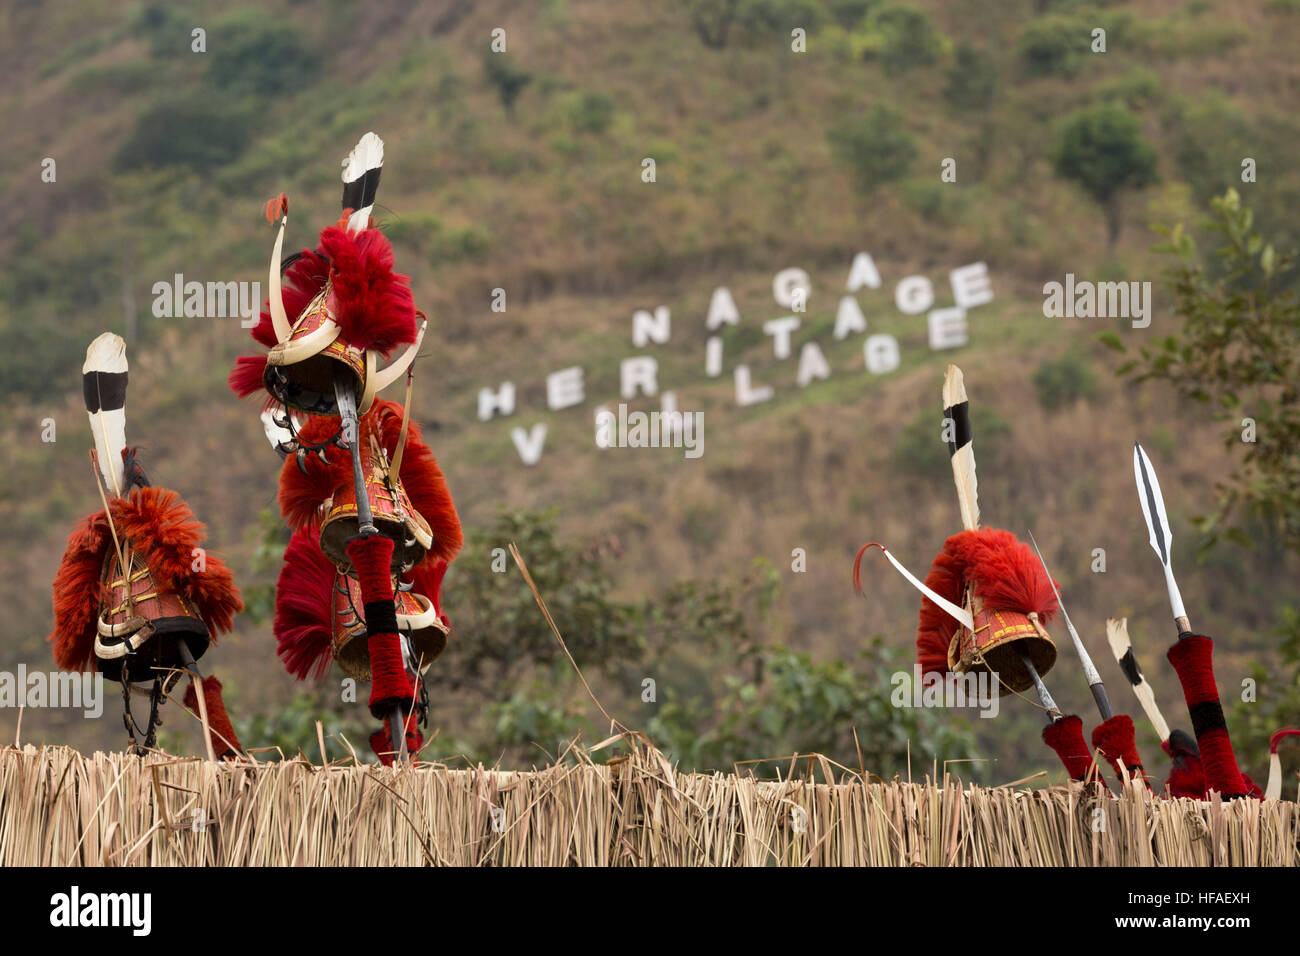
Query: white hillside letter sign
point(529, 443)
point(500, 402)
point(564, 388)
point(647, 328)
point(722, 310)
point(787, 286)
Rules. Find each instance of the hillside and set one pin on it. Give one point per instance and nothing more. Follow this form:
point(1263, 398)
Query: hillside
point(165, 158)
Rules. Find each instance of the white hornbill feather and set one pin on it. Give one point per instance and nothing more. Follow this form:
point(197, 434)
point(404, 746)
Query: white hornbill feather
point(361, 171)
point(103, 378)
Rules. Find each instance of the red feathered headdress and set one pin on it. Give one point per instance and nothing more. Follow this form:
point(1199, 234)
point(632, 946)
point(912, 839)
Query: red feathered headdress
point(303, 280)
point(303, 490)
point(164, 532)
point(1006, 574)
point(371, 304)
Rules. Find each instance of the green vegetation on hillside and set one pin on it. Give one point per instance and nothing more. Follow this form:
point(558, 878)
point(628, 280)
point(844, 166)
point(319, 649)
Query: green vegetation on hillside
point(523, 171)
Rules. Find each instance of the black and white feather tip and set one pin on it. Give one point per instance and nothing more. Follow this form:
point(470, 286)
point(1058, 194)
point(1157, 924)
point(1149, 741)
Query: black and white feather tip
point(103, 382)
point(361, 171)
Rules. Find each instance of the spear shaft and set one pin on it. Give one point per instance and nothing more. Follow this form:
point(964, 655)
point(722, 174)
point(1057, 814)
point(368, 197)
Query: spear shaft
point(346, 396)
point(1089, 670)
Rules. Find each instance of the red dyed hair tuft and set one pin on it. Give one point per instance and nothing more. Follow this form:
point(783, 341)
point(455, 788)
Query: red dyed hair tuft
point(304, 608)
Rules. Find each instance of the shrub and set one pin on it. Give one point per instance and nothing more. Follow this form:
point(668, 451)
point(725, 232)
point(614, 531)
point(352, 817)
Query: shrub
point(165, 27)
point(193, 131)
point(1135, 88)
point(508, 79)
point(429, 236)
point(252, 54)
point(972, 80)
point(876, 148)
point(849, 13)
point(1209, 141)
point(901, 37)
point(778, 16)
point(937, 201)
point(1053, 45)
point(592, 112)
point(1064, 381)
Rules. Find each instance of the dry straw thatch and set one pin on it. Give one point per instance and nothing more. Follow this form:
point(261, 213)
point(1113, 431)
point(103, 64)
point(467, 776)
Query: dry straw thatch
point(58, 807)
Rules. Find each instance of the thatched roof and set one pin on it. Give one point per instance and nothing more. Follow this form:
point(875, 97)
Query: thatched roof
point(58, 807)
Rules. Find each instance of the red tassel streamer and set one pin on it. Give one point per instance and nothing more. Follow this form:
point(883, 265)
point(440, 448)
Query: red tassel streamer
point(304, 595)
point(225, 744)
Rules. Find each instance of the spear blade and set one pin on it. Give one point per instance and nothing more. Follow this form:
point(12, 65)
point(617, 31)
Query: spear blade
point(1157, 518)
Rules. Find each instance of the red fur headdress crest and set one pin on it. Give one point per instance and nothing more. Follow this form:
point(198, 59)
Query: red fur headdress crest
point(1006, 574)
point(371, 303)
point(163, 531)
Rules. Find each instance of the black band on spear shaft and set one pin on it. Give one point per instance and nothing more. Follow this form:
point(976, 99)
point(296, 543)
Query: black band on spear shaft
point(1207, 715)
point(381, 617)
point(962, 435)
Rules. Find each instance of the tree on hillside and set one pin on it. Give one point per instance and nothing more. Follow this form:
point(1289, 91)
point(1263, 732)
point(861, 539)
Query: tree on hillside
point(508, 79)
point(712, 20)
point(876, 148)
point(901, 37)
point(1053, 45)
point(499, 629)
point(1101, 148)
point(972, 80)
point(1239, 350)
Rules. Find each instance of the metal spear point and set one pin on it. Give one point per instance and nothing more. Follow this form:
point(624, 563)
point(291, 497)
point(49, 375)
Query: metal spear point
point(1089, 671)
point(346, 396)
point(1153, 509)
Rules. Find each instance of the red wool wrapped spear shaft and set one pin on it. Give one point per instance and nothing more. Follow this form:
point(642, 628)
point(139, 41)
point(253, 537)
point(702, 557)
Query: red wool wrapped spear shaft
point(1192, 655)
